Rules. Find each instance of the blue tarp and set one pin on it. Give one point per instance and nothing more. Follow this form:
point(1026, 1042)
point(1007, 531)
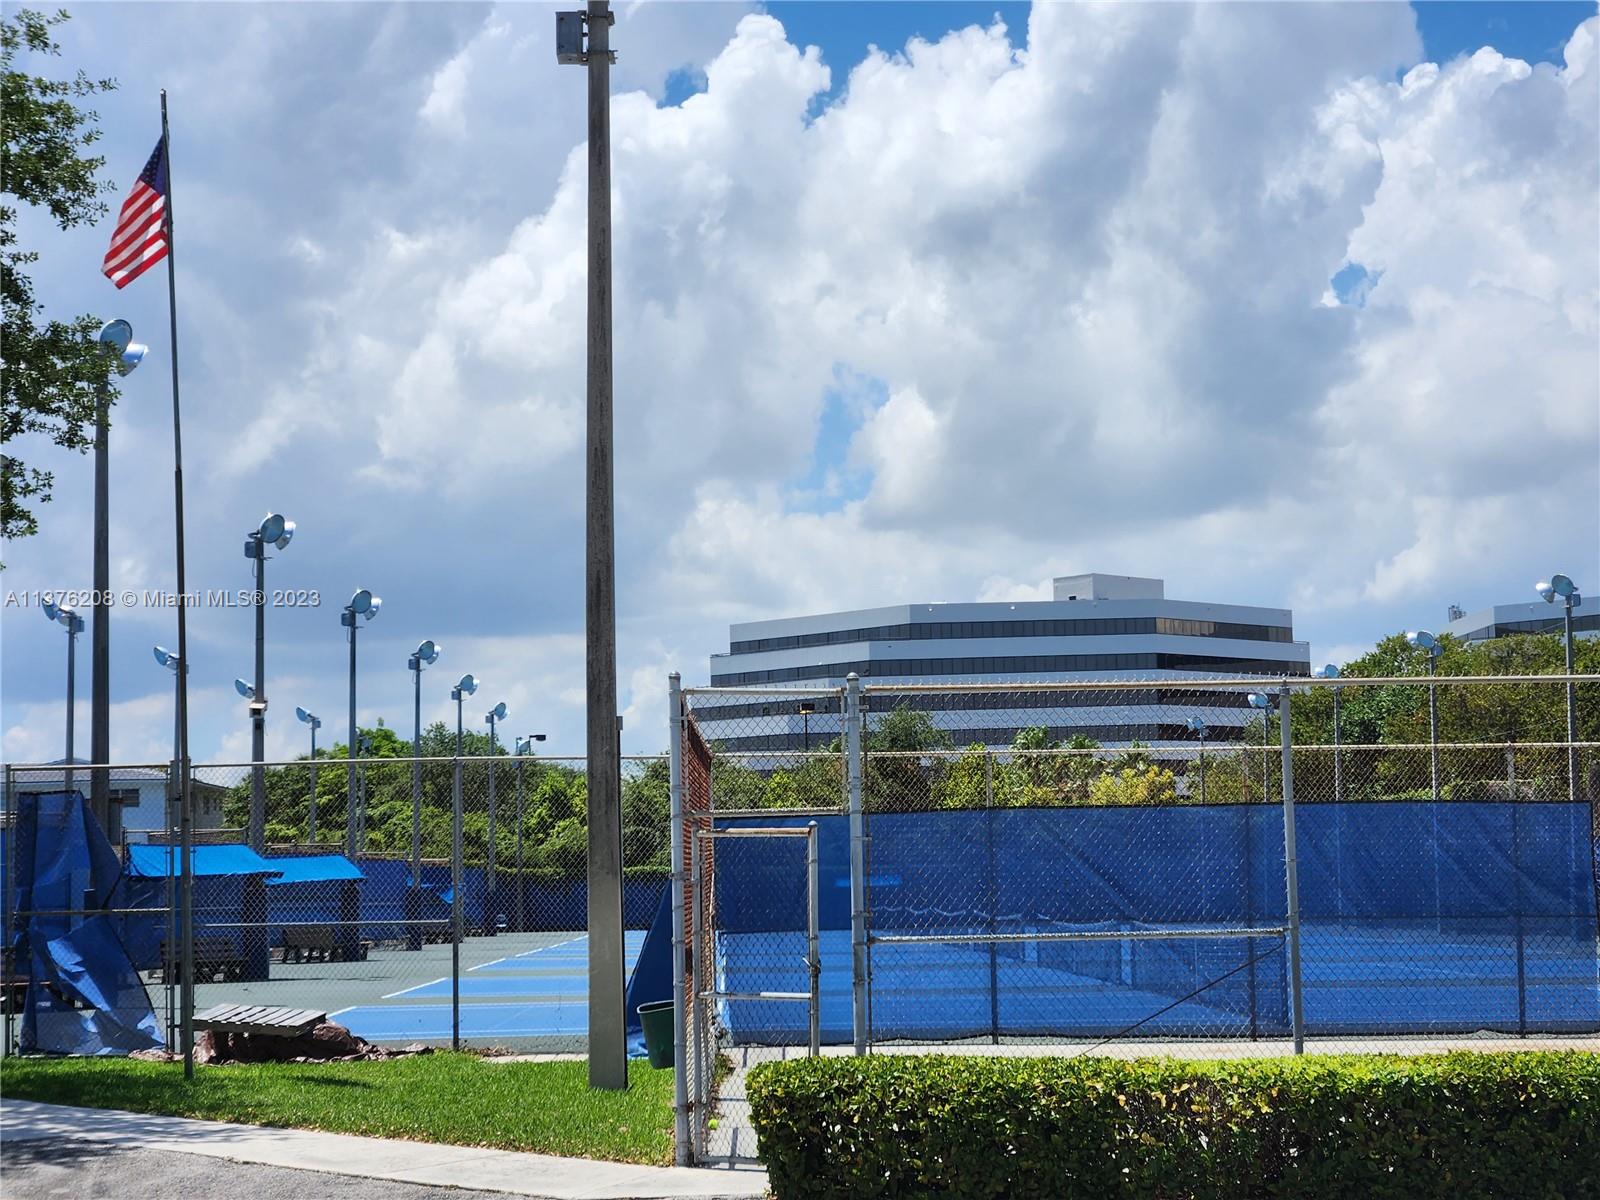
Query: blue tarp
point(229, 892)
point(84, 996)
point(157, 862)
point(1416, 918)
point(312, 868)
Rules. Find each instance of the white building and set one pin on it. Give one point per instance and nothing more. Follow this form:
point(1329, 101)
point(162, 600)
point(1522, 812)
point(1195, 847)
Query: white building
point(1533, 617)
point(141, 791)
point(1111, 627)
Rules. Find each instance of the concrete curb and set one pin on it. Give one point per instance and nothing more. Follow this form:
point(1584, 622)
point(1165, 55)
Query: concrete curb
point(433, 1164)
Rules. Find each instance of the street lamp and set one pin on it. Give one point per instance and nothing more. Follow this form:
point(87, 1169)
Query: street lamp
point(524, 748)
point(116, 344)
point(278, 531)
point(68, 619)
point(315, 722)
point(1421, 639)
point(425, 655)
point(1332, 672)
point(364, 605)
point(1197, 726)
point(1562, 585)
point(497, 713)
point(1263, 702)
point(466, 686)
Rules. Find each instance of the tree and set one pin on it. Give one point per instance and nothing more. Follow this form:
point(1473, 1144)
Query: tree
point(49, 371)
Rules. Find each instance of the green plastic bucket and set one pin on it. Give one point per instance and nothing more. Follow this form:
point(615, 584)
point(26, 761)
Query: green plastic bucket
point(657, 1019)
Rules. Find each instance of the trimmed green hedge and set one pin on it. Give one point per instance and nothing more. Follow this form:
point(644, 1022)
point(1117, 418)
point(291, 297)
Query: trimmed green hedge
point(1457, 1126)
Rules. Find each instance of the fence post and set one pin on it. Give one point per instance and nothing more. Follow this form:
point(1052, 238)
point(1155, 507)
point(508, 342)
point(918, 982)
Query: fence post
point(702, 1073)
point(858, 880)
point(1517, 889)
point(994, 896)
point(680, 960)
point(1291, 874)
point(455, 907)
point(813, 936)
point(5, 893)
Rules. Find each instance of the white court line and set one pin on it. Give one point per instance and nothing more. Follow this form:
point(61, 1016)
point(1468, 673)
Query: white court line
point(530, 953)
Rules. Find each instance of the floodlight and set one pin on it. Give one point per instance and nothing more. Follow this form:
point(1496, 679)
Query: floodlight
point(497, 713)
point(1423, 640)
point(1546, 592)
point(244, 689)
point(115, 335)
point(1562, 585)
point(1328, 672)
point(63, 615)
point(372, 609)
point(1260, 700)
point(468, 685)
point(310, 719)
point(428, 652)
point(51, 612)
point(363, 601)
point(277, 529)
point(131, 358)
point(1196, 725)
point(166, 657)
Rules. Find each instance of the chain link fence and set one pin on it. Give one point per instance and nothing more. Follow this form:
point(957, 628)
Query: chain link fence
point(1184, 866)
point(369, 894)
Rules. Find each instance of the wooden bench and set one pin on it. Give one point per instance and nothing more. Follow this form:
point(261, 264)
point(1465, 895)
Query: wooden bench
point(214, 958)
point(271, 1020)
point(321, 943)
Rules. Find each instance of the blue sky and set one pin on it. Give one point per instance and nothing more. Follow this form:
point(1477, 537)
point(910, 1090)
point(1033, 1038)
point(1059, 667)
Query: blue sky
point(1240, 295)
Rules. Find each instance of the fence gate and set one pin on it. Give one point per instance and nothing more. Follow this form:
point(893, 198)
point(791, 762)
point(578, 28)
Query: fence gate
point(757, 979)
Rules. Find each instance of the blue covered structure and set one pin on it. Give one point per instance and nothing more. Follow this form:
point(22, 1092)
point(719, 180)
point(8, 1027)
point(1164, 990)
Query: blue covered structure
point(323, 890)
point(1415, 918)
point(83, 995)
point(230, 907)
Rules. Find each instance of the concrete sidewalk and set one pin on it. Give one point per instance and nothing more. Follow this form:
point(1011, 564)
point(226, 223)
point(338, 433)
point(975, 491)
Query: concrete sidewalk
point(426, 1163)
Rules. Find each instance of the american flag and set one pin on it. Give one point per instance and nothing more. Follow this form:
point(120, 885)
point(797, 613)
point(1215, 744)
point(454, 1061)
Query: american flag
point(139, 241)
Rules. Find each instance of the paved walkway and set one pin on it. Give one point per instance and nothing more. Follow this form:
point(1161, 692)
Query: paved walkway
point(425, 1163)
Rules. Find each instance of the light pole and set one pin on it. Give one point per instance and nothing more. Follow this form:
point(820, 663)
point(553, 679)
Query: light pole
point(170, 661)
point(116, 344)
point(171, 816)
point(425, 655)
point(1423, 640)
point(68, 619)
point(363, 752)
point(1332, 672)
point(1562, 585)
point(497, 713)
point(278, 531)
point(524, 748)
point(467, 685)
point(1263, 703)
point(807, 707)
point(608, 1051)
point(1197, 726)
point(315, 722)
point(365, 605)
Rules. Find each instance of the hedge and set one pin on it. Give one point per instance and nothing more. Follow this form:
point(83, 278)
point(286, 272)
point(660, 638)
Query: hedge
point(1457, 1126)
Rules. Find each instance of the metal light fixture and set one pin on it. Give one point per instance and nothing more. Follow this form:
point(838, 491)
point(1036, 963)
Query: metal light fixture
point(363, 604)
point(315, 722)
point(1421, 639)
point(68, 618)
point(244, 689)
point(496, 715)
point(425, 655)
point(1562, 586)
point(1332, 672)
point(465, 686)
point(1199, 728)
point(524, 747)
point(1263, 702)
point(273, 530)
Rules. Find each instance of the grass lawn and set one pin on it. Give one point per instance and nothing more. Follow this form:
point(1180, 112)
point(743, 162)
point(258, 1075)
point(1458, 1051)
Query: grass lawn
point(456, 1098)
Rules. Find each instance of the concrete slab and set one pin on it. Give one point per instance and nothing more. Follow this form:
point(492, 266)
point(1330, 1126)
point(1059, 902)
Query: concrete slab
point(505, 1171)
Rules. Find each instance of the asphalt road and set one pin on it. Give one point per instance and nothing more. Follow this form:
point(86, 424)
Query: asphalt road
point(37, 1170)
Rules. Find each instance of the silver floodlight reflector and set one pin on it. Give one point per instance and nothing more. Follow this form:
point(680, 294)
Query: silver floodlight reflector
point(428, 652)
point(362, 601)
point(1423, 640)
point(498, 712)
point(1562, 585)
point(165, 657)
point(468, 685)
point(303, 714)
point(271, 527)
point(115, 335)
point(1546, 592)
point(1329, 672)
point(1196, 725)
point(372, 609)
point(244, 689)
point(1260, 700)
point(51, 612)
point(131, 357)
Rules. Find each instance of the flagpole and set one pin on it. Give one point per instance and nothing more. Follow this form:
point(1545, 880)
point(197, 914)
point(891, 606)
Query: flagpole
point(185, 804)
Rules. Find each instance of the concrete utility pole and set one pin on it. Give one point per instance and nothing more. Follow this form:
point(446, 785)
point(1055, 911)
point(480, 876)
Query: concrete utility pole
point(608, 1056)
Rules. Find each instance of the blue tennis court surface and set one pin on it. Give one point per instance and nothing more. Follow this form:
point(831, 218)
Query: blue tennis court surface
point(541, 993)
